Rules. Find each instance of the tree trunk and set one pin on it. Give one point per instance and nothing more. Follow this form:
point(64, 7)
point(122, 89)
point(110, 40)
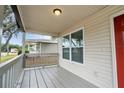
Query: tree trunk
point(5, 45)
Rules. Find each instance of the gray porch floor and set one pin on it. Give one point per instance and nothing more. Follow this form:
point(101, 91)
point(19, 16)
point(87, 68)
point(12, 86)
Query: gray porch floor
point(52, 77)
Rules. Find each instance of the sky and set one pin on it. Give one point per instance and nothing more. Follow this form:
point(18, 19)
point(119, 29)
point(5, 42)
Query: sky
point(36, 36)
point(18, 40)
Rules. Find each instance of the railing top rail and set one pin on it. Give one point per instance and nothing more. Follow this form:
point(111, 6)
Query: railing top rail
point(6, 65)
point(42, 54)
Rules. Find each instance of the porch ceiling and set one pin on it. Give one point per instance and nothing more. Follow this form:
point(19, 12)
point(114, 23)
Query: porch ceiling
point(40, 19)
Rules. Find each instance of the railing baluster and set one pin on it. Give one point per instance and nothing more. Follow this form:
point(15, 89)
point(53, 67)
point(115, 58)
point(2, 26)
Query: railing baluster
point(3, 80)
point(7, 83)
point(10, 78)
point(0, 81)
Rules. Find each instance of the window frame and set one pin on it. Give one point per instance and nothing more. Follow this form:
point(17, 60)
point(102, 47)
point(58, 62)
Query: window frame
point(70, 48)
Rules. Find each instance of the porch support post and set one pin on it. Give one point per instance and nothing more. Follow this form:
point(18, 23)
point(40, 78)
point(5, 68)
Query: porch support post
point(28, 46)
point(23, 49)
point(1, 29)
point(40, 47)
point(35, 47)
point(0, 39)
point(23, 46)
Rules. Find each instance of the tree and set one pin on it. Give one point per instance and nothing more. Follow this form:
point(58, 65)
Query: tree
point(10, 27)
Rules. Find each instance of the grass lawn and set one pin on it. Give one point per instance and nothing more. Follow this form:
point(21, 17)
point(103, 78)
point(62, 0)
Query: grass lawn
point(7, 57)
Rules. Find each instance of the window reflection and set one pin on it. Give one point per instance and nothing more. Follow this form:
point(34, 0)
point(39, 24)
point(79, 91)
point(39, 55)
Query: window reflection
point(66, 54)
point(65, 41)
point(77, 39)
point(77, 54)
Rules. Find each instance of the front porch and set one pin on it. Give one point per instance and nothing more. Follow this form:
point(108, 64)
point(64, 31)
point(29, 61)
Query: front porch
point(85, 52)
point(51, 77)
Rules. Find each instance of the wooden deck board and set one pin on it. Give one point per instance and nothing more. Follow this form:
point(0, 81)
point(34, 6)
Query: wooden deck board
point(33, 80)
point(64, 81)
point(25, 81)
point(41, 82)
point(75, 80)
point(71, 79)
point(52, 77)
point(20, 80)
point(49, 83)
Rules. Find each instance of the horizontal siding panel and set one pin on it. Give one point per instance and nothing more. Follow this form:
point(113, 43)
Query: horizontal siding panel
point(99, 49)
point(98, 38)
point(98, 57)
point(102, 22)
point(96, 28)
point(98, 43)
point(91, 68)
point(100, 64)
point(95, 33)
point(101, 61)
point(99, 54)
point(98, 46)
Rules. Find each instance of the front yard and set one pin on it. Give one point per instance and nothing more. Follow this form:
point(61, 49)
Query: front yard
point(7, 57)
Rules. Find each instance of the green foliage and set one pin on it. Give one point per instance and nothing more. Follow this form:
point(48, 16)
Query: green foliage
point(26, 49)
point(19, 52)
point(12, 46)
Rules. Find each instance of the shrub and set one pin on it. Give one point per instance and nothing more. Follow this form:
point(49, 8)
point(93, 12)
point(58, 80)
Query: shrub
point(19, 52)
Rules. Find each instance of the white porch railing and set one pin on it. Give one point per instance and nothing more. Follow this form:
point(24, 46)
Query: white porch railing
point(45, 59)
point(10, 72)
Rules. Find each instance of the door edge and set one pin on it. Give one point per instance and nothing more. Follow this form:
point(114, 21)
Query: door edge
point(113, 47)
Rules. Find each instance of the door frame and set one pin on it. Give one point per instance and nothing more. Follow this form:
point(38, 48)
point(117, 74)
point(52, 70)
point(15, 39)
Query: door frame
point(113, 47)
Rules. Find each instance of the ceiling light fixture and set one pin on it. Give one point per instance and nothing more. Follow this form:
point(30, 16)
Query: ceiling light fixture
point(57, 11)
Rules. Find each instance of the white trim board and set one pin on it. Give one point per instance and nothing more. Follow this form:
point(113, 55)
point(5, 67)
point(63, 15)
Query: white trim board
point(114, 64)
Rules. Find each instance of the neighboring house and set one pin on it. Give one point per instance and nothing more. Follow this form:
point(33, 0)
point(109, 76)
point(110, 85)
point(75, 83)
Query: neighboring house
point(14, 50)
point(42, 46)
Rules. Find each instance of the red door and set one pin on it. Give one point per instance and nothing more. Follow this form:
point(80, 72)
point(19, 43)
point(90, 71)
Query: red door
point(119, 42)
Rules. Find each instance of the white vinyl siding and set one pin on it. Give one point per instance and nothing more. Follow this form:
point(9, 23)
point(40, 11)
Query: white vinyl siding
point(97, 67)
point(49, 48)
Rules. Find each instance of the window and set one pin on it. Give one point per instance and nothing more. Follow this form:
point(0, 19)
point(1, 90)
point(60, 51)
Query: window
point(73, 46)
point(66, 47)
point(77, 46)
point(77, 54)
point(77, 39)
point(66, 54)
